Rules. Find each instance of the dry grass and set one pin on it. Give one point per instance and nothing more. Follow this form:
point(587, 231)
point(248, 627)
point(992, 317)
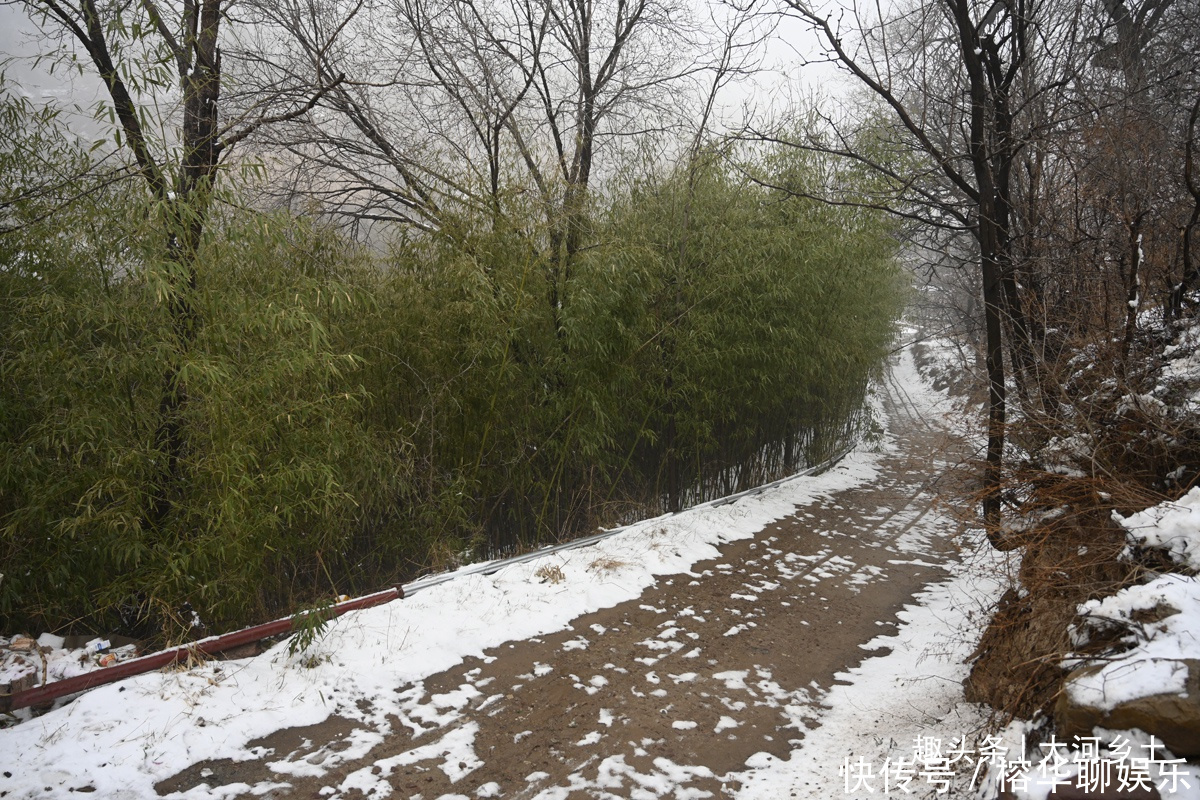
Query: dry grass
point(1066, 561)
point(606, 564)
point(1096, 429)
point(550, 573)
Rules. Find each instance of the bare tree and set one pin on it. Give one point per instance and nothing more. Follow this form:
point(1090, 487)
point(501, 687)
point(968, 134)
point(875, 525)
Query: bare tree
point(956, 92)
point(1051, 133)
point(476, 99)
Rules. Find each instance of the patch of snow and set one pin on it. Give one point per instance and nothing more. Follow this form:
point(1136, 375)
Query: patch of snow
point(733, 679)
point(456, 750)
point(1155, 662)
point(879, 710)
point(1172, 526)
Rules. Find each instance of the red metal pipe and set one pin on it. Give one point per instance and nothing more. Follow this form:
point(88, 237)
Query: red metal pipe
point(205, 647)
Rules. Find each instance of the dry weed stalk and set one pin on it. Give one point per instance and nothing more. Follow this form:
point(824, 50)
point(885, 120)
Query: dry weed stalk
point(550, 573)
point(606, 564)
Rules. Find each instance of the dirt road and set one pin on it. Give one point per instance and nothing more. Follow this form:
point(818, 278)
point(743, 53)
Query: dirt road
point(663, 696)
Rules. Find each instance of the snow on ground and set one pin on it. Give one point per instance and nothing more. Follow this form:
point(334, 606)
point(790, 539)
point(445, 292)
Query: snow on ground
point(1156, 662)
point(1157, 626)
point(895, 725)
point(119, 740)
point(1173, 526)
point(1117, 761)
point(47, 659)
point(898, 725)
point(889, 714)
point(887, 719)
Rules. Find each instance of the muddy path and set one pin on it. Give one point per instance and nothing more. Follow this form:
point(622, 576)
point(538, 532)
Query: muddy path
point(667, 695)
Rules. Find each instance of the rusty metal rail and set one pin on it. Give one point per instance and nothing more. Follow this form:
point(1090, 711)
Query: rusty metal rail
point(47, 692)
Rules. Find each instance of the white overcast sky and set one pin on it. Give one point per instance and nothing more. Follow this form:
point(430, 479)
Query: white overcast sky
point(782, 84)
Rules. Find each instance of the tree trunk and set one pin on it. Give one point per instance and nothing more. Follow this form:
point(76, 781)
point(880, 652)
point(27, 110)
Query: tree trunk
point(992, 300)
point(1191, 270)
point(186, 214)
point(993, 239)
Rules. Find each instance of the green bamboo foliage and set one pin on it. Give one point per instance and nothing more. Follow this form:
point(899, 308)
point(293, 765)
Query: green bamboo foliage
point(353, 419)
point(275, 455)
point(774, 312)
point(715, 335)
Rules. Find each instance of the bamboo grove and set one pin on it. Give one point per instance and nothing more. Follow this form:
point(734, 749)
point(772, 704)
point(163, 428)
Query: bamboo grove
point(357, 415)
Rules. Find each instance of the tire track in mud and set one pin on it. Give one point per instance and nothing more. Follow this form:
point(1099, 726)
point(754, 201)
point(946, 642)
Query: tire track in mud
point(667, 695)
